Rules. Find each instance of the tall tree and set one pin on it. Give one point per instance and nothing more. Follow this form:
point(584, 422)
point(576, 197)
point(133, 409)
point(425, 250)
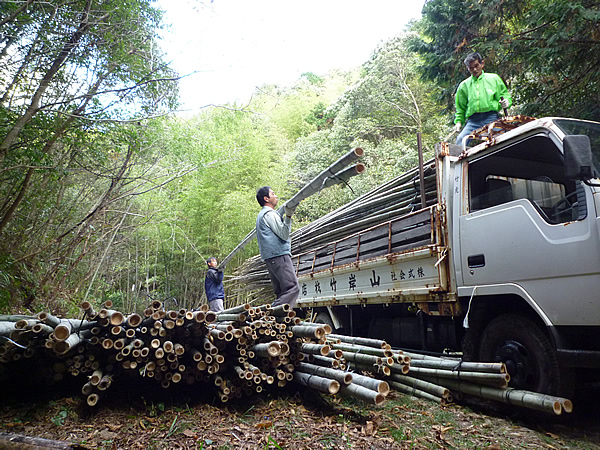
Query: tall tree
point(70, 69)
point(546, 51)
point(66, 64)
point(382, 112)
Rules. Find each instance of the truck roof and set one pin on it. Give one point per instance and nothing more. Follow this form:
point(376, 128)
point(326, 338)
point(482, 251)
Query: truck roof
point(508, 128)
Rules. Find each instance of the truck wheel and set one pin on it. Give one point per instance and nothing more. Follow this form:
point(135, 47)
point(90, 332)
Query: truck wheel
point(529, 357)
point(324, 318)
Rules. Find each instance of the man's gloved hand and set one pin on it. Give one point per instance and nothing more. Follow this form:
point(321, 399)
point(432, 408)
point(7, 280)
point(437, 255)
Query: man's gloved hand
point(504, 103)
point(289, 211)
point(457, 127)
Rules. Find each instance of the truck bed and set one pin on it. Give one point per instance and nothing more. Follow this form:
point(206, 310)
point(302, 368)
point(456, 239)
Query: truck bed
point(397, 261)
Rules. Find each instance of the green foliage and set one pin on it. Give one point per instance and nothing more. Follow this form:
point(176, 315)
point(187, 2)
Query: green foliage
point(381, 112)
point(294, 110)
point(239, 156)
point(59, 419)
point(545, 51)
point(129, 212)
point(320, 117)
point(63, 176)
point(6, 279)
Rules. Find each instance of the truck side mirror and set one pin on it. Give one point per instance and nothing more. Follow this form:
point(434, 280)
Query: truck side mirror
point(578, 158)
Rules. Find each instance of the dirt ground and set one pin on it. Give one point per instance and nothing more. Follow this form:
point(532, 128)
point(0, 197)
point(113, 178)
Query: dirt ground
point(139, 417)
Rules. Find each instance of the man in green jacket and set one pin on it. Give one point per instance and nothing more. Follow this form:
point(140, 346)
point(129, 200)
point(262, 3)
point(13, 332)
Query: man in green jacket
point(478, 98)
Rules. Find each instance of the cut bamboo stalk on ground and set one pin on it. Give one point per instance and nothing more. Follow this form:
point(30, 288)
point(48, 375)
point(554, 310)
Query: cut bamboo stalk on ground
point(362, 349)
point(526, 399)
point(371, 383)
point(326, 372)
point(318, 383)
point(362, 393)
point(417, 392)
point(434, 389)
point(200, 352)
point(459, 366)
point(490, 379)
point(315, 349)
point(367, 342)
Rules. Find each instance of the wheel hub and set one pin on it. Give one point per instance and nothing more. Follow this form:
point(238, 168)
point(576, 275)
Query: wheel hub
point(519, 364)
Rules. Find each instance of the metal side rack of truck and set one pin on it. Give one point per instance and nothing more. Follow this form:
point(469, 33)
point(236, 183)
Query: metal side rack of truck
point(504, 266)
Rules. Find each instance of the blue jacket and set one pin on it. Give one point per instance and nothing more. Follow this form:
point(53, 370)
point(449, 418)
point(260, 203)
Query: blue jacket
point(269, 243)
point(213, 284)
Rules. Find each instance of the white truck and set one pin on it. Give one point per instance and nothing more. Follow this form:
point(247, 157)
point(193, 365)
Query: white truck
point(504, 266)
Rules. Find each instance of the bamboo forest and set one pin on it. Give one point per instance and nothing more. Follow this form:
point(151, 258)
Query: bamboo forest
point(108, 194)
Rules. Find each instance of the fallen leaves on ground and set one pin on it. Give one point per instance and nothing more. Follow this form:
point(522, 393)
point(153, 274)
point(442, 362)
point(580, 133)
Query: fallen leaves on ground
point(301, 420)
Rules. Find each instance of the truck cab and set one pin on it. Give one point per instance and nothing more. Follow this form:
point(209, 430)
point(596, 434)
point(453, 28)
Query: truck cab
point(526, 242)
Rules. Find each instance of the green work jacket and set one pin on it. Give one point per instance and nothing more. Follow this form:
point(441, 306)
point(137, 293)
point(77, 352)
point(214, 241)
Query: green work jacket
point(478, 95)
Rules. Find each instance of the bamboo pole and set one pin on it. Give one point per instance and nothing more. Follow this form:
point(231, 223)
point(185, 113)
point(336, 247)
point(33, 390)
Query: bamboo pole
point(24, 324)
point(92, 399)
point(326, 372)
point(6, 328)
point(48, 319)
point(324, 361)
point(318, 383)
point(367, 359)
point(491, 379)
point(326, 327)
point(400, 368)
point(376, 369)
point(410, 390)
point(526, 399)
point(374, 384)
point(362, 349)
point(434, 389)
point(356, 340)
point(15, 317)
point(315, 349)
point(459, 366)
point(72, 341)
point(362, 393)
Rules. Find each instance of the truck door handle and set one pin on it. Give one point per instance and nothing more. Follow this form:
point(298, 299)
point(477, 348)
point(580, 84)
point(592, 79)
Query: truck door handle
point(476, 260)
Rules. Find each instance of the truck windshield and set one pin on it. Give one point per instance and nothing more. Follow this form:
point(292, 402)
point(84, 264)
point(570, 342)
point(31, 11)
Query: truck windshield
point(590, 129)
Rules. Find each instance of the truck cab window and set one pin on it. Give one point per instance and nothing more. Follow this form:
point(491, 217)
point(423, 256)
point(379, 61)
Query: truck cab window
point(532, 169)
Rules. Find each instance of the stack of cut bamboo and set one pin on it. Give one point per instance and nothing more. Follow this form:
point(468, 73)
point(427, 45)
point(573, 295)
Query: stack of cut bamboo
point(238, 352)
point(438, 379)
point(389, 201)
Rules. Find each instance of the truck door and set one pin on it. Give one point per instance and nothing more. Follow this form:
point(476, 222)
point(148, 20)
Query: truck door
point(530, 231)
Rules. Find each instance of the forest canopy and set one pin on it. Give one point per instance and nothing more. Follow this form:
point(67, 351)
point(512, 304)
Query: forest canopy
point(107, 194)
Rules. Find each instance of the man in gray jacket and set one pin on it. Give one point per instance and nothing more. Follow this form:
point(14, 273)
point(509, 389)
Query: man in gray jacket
point(273, 235)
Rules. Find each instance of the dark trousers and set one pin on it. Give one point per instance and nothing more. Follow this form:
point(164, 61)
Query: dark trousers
point(284, 281)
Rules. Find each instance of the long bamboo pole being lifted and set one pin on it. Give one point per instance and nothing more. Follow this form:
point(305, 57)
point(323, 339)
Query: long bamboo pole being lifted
point(329, 177)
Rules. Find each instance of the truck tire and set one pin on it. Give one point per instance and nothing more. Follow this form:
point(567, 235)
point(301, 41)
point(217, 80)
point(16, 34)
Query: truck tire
point(529, 356)
point(324, 318)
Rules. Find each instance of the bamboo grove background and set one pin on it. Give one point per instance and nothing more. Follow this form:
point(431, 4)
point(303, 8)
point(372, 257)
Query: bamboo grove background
point(107, 194)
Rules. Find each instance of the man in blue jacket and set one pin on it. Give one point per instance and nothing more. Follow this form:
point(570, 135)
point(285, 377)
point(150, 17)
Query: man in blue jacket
point(213, 286)
point(273, 236)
